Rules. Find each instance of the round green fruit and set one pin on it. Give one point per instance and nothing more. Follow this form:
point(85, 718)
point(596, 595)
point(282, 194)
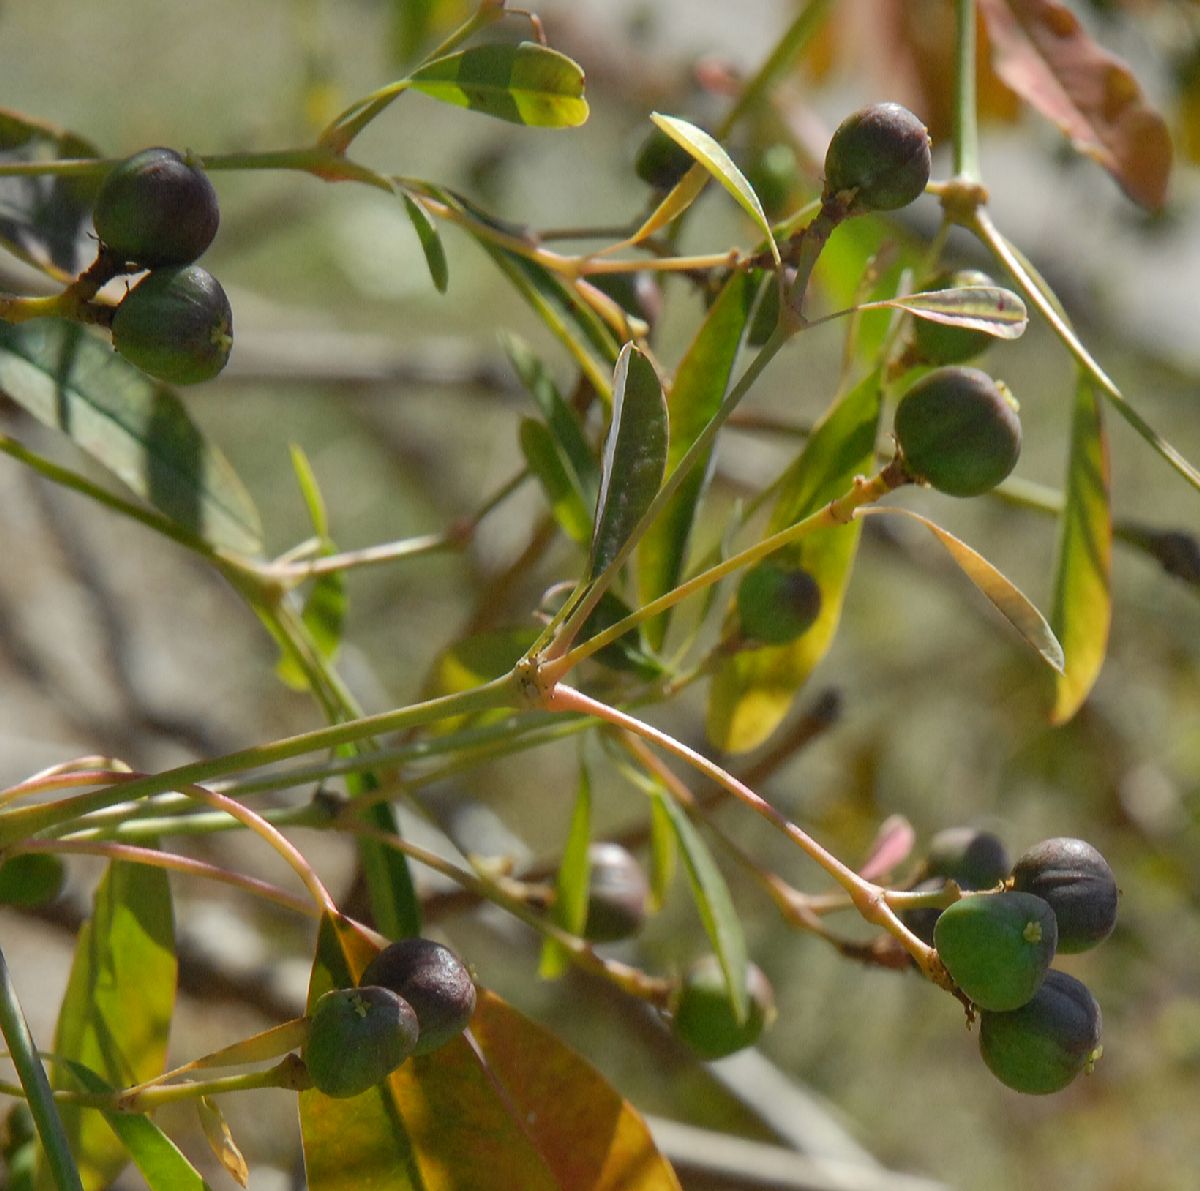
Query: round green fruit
point(703, 1017)
point(997, 947)
point(31, 879)
point(156, 208)
point(433, 980)
point(773, 176)
point(958, 431)
point(1079, 886)
point(1042, 1046)
point(617, 894)
point(777, 604)
point(176, 325)
point(357, 1037)
point(937, 343)
point(880, 155)
point(661, 161)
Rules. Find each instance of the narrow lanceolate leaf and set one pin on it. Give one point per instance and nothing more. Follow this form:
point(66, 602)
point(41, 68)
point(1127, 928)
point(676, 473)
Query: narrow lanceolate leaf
point(753, 689)
point(45, 220)
point(701, 381)
point(990, 309)
point(524, 84)
point(511, 1109)
point(561, 486)
point(70, 380)
point(570, 908)
point(1082, 606)
point(431, 241)
point(156, 1156)
point(1004, 594)
point(718, 163)
point(635, 455)
point(715, 906)
point(664, 851)
point(677, 200)
point(1046, 56)
point(116, 1013)
point(219, 1136)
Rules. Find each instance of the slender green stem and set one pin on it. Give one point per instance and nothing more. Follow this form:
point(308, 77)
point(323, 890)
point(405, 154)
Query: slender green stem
point(36, 1086)
point(966, 123)
point(290, 1073)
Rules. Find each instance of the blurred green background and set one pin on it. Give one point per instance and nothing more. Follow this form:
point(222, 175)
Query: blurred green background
point(113, 642)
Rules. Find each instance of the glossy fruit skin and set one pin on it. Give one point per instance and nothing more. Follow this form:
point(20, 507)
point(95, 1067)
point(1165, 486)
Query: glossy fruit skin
point(176, 325)
point(617, 894)
point(661, 161)
point(703, 1017)
point(937, 343)
point(31, 879)
point(157, 209)
point(997, 947)
point(1042, 1046)
point(777, 604)
point(975, 859)
point(958, 431)
point(881, 154)
point(1079, 886)
point(357, 1037)
point(433, 980)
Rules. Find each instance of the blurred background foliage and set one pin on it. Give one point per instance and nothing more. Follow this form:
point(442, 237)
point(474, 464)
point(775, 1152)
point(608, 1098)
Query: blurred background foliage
point(113, 642)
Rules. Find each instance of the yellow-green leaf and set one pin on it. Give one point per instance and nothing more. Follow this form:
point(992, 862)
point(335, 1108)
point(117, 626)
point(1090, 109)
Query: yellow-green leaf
point(570, 909)
point(431, 241)
point(1082, 606)
point(987, 308)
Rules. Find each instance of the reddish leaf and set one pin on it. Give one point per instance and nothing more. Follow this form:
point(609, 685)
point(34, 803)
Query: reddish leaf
point(1043, 53)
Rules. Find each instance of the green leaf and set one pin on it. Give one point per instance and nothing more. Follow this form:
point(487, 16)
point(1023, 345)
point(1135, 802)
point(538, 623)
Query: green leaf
point(663, 852)
point(700, 384)
point(635, 455)
point(677, 200)
point(1008, 599)
point(46, 220)
point(158, 1158)
point(394, 901)
point(68, 379)
point(717, 911)
point(523, 84)
point(561, 486)
point(990, 309)
point(718, 163)
point(1082, 608)
point(431, 241)
point(570, 909)
point(116, 1013)
point(753, 689)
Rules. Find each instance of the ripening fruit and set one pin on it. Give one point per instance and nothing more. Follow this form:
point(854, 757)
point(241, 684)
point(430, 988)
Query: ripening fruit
point(357, 1038)
point(997, 946)
point(703, 1017)
point(937, 343)
point(1079, 886)
point(1042, 1046)
point(958, 431)
point(661, 161)
point(975, 859)
point(31, 879)
point(881, 154)
point(777, 604)
point(433, 980)
point(156, 209)
point(176, 325)
point(617, 894)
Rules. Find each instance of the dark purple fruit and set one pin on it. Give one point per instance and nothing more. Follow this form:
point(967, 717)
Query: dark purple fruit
point(1042, 1046)
point(156, 208)
point(176, 325)
point(357, 1037)
point(937, 343)
point(661, 161)
point(703, 1017)
point(997, 946)
point(433, 980)
point(879, 158)
point(777, 604)
point(958, 431)
point(31, 879)
point(974, 859)
point(617, 894)
point(1079, 886)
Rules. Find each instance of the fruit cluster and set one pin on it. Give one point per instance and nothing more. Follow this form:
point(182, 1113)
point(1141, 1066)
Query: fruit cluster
point(158, 211)
point(412, 998)
point(1038, 1028)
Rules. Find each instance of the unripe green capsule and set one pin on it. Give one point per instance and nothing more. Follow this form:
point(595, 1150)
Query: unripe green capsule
point(661, 161)
point(31, 879)
point(880, 154)
point(357, 1037)
point(777, 604)
point(1042, 1046)
point(703, 1017)
point(1079, 886)
point(997, 946)
point(617, 894)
